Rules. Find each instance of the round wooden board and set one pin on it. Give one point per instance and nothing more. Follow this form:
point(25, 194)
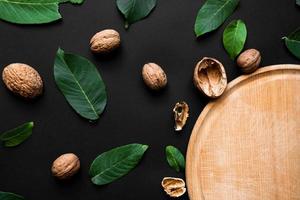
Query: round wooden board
point(246, 144)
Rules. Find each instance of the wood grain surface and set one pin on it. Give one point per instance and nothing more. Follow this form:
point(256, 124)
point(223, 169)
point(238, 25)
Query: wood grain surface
point(246, 144)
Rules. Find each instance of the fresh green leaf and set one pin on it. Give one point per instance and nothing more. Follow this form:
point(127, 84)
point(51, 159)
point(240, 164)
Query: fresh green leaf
point(234, 38)
point(114, 164)
point(17, 135)
point(135, 10)
point(72, 1)
point(10, 196)
point(298, 2)
point(175, 158)
point(31, 11)
point(292, 42)
point(81, 84)
point(213, 14)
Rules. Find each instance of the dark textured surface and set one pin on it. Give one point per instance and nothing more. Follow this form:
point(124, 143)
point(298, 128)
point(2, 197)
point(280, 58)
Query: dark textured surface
point(133, 113)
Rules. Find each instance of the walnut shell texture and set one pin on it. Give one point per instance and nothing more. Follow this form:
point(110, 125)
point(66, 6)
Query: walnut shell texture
point(22, 80)
point(105, 41)
point(249, 60)
point(210, 77)
point(154, 76)
point(181, 114)
point(174, 187)
point(65, 166)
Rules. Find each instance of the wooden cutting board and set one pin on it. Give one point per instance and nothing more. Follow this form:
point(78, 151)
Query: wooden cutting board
point(246, 144)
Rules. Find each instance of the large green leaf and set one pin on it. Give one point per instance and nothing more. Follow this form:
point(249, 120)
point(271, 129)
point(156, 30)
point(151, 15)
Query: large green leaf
point(135, 10)
point(213, 14)
point(72, 1)
point(292, 42)
point(175, 158)
point(81, 84)
point(17, 135)
point(31, 11)
point(113, 164)
point(10, 196)
point(234, 38)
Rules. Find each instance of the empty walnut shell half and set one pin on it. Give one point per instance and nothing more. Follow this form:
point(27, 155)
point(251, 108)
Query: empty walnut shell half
point(181, 113)
point(210, 77)
point(174, 187)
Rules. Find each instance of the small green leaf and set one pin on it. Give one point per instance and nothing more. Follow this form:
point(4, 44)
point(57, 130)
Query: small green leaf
point(116, 163)
point(175, 158)
point(213, 14)
point(17, 135)
point(234, 38)
point(292, 42)
point(135, 10)
point(81, 84)
point(31, 11)
point(10, 196)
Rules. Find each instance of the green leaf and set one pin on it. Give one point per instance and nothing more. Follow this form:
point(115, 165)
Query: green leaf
point(72, 1)
point(31, 11)
point(234, 38)
point(135, 10)
point(175, 158)
point(114, 164)
point(298, 2)
point(16, 136)
point(81, 84)
point(292, 42)
point(213, 14)
point(10, 196)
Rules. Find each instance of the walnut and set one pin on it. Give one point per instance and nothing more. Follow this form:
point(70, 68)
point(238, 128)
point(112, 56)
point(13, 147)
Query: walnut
point(249, 60)
point(174, 187)
point(154, 76)
point(210, 77)
point(181, 113)
point(105, 41)
point(65, 166)
point(22, 80)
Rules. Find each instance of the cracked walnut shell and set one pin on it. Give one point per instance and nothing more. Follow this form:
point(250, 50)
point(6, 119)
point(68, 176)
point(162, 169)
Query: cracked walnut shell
point(174, 187)
point(154, 76)
point(181, 113)
point(210, 77)
point(22, 80)
point(65, 166)
point(105, 41)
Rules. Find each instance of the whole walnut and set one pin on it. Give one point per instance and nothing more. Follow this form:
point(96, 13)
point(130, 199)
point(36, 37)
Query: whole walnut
point(22, 80)
point(154, 76)
point(249, 60)
point(65, 166)
point(105, 41)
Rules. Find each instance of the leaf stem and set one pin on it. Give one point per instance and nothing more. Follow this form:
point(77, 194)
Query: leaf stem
point(126, 25)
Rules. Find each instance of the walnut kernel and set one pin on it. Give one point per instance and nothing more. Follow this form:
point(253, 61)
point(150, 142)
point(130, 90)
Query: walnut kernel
point(181, 113)
point(174, 187)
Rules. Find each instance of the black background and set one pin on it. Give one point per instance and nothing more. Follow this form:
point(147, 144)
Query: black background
point(133, 113)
